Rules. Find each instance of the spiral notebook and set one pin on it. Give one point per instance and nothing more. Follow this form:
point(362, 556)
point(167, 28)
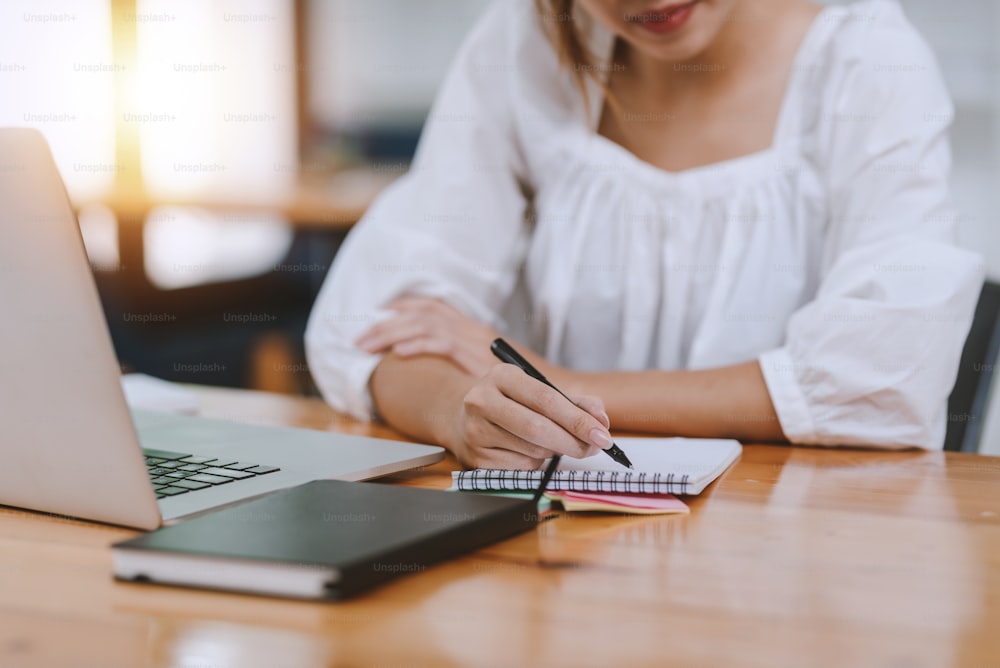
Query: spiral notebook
point(662, 466)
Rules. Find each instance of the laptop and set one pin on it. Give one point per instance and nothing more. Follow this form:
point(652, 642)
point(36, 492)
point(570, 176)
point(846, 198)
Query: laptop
point(70, 444)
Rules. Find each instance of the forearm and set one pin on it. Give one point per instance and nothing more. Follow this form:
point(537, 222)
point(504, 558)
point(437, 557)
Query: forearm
point(419, 396)
point(727, 402)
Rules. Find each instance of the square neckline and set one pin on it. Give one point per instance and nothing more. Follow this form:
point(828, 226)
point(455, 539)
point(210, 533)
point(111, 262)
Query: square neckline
point(807, 46)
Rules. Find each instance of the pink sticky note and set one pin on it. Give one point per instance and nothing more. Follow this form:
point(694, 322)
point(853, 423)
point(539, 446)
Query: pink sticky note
point(648, 502)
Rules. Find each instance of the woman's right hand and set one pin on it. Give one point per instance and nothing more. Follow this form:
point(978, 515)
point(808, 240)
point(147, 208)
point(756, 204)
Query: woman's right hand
point(509, 420)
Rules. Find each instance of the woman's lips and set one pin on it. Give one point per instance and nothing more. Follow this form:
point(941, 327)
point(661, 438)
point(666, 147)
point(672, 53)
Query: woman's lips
point(661, 21)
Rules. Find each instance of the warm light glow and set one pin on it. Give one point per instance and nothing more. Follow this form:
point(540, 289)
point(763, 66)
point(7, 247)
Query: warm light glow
point(187, 246)
point(214, 97)
point(99, 228)
point(57, 75)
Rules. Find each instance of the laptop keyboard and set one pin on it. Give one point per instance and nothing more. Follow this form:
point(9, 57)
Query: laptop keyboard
point(176, 473)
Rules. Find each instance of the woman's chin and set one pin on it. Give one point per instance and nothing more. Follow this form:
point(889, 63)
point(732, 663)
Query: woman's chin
point(681, 46)
point(682, 51)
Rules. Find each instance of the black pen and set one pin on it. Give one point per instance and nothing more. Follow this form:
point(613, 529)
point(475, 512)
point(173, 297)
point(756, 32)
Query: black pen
point(506, 353)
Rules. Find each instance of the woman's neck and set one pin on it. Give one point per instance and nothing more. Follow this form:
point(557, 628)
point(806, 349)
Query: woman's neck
point(721, 105)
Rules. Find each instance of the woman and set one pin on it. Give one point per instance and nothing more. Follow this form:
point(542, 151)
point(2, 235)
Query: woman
point(723, 218)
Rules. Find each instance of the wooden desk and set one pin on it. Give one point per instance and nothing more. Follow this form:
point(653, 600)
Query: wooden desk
point(332, 201)
point(797, 557)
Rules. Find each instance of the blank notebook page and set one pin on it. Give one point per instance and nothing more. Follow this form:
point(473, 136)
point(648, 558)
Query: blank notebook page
point(662, 466)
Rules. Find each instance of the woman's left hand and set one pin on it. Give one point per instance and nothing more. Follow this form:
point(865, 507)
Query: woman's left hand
point(426, 326)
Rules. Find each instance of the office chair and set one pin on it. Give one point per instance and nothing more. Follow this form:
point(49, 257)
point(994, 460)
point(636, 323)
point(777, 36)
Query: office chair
point(968, 401)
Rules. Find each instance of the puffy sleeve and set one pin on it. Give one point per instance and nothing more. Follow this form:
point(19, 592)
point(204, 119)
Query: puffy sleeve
point(872, 359)
point(453, 227)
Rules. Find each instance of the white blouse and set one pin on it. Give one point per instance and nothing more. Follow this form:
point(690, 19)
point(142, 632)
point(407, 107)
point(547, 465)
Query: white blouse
point(829, 257)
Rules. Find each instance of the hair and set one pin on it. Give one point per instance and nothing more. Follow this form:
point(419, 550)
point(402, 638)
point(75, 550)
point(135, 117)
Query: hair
point(556, 17)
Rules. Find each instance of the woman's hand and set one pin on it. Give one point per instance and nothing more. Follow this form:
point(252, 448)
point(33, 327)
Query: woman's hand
point(509, 420)
point(425, 326)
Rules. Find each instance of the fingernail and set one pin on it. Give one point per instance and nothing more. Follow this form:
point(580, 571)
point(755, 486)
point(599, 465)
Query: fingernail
point(600, 438)
point(607, 420)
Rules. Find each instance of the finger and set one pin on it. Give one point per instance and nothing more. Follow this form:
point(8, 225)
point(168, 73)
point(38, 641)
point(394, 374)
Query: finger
point(594, 406)
point(412, 303)
point(423, 345)
point(473, 360)
point(377, 330)
point(405, 303)
point(390, 332)
point(488, 445)
point(500, 400)
point(538, 429)
point(497, 443)
point(585, 430)
point(467, 359)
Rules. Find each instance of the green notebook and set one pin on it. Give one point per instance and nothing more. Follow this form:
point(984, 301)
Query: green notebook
point(327, 539)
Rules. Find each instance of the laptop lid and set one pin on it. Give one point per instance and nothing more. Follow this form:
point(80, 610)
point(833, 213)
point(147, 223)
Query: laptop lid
point(69, 445)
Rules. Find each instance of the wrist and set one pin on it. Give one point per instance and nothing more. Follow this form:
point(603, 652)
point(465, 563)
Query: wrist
point(446, 421)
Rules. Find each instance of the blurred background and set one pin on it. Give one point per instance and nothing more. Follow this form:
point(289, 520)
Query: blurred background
point(217, 151)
